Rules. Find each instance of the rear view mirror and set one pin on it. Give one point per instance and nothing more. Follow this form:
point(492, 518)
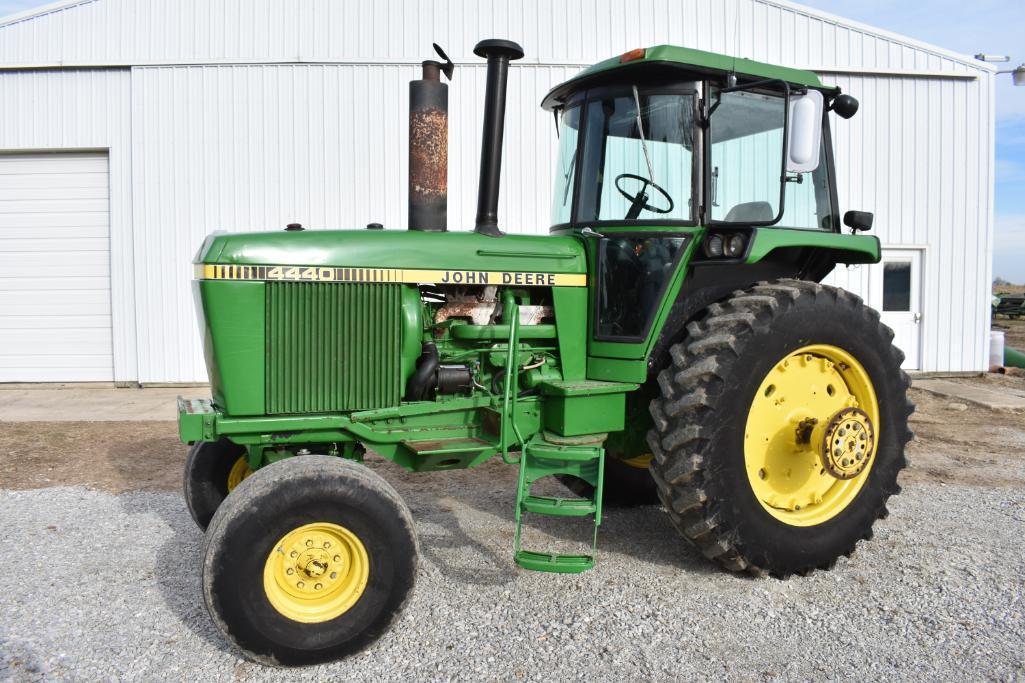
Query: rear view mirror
point(858, 220)
point(805, 132)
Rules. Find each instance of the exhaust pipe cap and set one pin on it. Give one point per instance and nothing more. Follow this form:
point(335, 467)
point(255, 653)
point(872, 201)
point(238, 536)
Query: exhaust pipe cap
point(498, 48)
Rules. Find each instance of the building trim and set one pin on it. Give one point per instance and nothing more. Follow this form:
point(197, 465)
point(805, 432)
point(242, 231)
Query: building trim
point(62, 66)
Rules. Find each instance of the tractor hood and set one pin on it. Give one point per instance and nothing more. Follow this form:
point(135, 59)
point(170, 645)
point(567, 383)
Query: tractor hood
point(465, 256)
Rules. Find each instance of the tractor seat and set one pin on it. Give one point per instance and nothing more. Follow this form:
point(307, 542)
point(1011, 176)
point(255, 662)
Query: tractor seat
point(751, 212)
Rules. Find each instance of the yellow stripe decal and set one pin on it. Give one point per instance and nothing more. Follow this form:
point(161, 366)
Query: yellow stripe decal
point(207, 271)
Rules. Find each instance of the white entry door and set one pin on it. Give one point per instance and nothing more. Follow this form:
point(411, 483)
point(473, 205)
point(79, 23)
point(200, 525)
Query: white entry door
point(895, 291)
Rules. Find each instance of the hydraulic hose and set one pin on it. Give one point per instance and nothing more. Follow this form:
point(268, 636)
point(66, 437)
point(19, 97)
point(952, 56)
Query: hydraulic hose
point(420, 384)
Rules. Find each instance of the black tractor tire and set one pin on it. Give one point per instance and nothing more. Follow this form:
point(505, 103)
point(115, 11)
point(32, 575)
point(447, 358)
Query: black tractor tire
point(700, 418)
point(624, 486)
point(205, 479)
point(279, 499)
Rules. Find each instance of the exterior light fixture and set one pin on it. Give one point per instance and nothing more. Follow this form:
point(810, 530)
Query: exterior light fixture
point(983, 57)
point(1017, 75)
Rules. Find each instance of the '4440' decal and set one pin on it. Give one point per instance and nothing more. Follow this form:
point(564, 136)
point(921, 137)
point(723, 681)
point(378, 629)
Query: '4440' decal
point(206, 271)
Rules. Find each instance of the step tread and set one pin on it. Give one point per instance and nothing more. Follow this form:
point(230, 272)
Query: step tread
point(543, 451)
point(585, 387)
point(457, 445)
point(550, 562)
point(559, 507)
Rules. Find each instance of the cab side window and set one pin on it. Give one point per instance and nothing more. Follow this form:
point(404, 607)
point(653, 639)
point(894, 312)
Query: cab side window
point(633, 271)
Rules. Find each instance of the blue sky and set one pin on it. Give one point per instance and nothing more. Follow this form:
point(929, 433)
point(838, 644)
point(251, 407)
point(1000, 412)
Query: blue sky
point(991, 26)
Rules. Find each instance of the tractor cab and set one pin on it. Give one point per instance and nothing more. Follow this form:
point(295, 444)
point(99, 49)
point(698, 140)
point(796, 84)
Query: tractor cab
point(668, 151)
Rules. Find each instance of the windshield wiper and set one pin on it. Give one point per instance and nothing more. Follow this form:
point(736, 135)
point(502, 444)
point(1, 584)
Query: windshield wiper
point(640, 130)
point(565, 179)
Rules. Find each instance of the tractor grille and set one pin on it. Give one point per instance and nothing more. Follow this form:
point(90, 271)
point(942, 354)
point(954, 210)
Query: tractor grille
point(332, 347)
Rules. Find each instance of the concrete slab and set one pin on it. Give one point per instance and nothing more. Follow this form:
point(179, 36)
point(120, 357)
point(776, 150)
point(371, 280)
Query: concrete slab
point(71, 403)
point(1004, 398)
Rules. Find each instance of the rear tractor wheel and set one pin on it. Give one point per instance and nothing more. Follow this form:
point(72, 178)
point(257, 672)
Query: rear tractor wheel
point(781, 428)
point(212, 470)
point(310, 559)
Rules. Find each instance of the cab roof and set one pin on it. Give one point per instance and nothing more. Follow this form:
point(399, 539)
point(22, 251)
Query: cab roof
point(683, 59)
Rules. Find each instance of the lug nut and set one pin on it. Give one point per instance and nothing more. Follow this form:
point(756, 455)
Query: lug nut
point(318, 586)
point(290, 571)
point(300, 584)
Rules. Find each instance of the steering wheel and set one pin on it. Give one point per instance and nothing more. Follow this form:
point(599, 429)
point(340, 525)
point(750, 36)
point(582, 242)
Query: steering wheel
point(639, 200)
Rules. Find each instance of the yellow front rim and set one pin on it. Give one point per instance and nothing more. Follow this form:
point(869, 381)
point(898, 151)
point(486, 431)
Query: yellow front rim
point(239, 471)
point(316, 572)
point(802, 402)
point(641, 462)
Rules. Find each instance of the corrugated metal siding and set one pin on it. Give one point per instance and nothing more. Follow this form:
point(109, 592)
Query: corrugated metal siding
point(918, 155)
point(571, 31)
point(77, 110)
point(257, 146)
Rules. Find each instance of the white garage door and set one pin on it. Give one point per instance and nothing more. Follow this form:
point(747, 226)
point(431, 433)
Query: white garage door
point(55, 268)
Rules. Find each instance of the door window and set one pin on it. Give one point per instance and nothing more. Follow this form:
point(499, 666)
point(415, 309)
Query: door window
point(897, 286)
point(746, 157)
point(633, 272)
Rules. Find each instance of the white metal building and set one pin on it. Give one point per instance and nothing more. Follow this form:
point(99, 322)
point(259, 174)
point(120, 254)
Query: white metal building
point(129, 129)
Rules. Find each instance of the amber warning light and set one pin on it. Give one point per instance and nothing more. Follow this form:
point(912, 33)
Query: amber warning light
point(632, 55)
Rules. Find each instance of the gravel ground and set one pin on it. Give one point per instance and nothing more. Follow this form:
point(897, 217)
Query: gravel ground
point(95, 585)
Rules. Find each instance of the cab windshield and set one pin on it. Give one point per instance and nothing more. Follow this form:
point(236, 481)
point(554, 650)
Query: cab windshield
point(635, 152)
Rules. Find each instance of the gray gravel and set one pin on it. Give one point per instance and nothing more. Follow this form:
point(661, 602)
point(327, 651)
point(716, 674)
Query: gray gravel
point(96, 586)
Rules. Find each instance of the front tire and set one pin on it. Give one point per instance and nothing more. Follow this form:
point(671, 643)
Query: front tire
point(738, 468)
point(310, 559)
point(212, 470)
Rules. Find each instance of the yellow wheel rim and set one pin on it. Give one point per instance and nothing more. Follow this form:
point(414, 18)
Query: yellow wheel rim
point(817, 395)
point(239, 471)
point(641, 462)
point(316, 572)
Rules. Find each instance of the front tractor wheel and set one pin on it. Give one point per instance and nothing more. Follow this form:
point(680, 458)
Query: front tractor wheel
point(781, 428)
point(212, 470)
point(310, 559)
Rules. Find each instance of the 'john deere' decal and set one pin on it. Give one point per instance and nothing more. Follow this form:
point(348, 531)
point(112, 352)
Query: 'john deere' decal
point(397, 275)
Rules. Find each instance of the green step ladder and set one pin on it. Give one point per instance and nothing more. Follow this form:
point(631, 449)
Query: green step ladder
point(541, 458)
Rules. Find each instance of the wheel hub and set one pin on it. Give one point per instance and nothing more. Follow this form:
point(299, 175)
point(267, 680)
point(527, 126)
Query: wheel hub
point(814, 396)
point(316, 572)
point(847, 443)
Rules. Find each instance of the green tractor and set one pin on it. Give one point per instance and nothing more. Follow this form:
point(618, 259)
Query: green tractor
point(668, 342)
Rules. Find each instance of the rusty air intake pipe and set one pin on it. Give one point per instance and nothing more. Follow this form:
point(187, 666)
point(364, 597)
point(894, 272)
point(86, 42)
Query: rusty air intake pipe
point(428, 146)
point(498, 53)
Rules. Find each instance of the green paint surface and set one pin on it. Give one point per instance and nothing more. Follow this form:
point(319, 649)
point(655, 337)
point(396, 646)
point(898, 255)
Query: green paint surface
point(688, 58)
point(846, 248)
point(397, 249)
